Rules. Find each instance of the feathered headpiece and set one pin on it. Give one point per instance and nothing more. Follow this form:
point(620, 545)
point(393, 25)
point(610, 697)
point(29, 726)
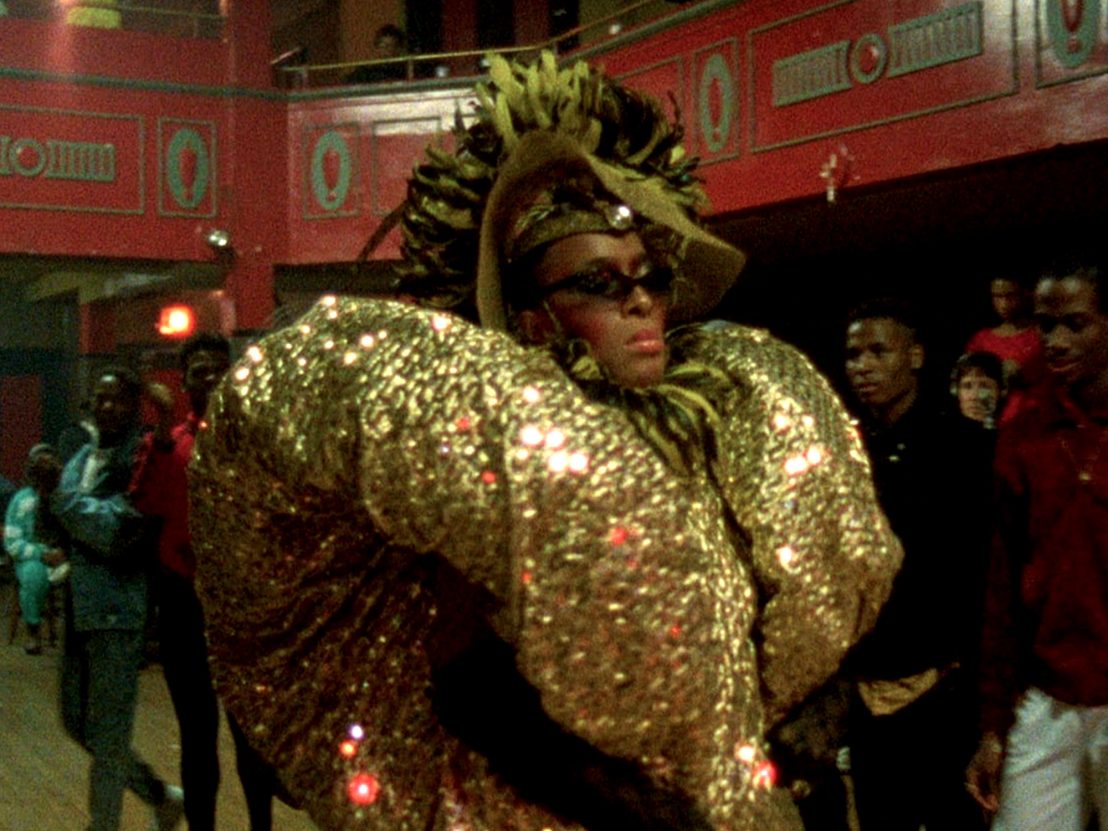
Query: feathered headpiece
point(536, 124)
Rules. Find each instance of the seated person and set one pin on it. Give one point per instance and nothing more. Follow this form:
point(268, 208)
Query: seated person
point(388, 42)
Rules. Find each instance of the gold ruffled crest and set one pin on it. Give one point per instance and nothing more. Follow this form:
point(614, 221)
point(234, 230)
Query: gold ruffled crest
point(447, 194)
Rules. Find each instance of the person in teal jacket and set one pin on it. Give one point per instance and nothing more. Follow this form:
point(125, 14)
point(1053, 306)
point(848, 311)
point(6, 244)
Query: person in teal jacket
point(33, 541)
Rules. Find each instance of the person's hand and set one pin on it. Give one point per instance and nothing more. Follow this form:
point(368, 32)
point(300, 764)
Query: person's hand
point(54, 557)
point(1012, 373)
point(983, 773)
point(43, 474)
point(161, 399)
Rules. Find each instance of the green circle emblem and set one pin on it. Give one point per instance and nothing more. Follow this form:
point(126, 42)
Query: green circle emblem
point(188, 168)
point(716, 131)
point(331, 170)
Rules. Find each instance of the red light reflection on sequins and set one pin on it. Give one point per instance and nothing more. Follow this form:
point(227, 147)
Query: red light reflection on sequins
point(348, 748)
point(488, 477)
point(764, 775)
point(363, 789)
point(526, 577)
point(619, 535)
point(463, 424)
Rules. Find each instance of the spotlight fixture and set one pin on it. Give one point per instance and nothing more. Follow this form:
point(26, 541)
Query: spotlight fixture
point(219, 239)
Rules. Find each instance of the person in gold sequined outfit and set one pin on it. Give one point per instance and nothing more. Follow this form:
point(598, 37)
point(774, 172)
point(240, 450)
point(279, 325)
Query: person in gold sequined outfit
point(523, 556)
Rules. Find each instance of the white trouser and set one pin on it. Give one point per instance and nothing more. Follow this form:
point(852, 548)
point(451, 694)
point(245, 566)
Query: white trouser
point(1056, 768)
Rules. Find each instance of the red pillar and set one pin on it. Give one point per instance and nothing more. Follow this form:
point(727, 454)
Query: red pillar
point(96, 329)
point(255, 189)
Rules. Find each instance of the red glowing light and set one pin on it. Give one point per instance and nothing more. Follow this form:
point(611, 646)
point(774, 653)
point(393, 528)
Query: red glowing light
point(526, 578)
point(363, 789)
point(618, 536)
point(488, 477)
point(176, 321)
point(765, 775)
point(463, 424)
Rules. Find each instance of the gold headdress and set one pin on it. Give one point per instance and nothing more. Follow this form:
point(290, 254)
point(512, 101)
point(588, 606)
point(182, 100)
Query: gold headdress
point(537, 124)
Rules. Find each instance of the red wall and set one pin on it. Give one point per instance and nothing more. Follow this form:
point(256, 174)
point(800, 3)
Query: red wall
point(21, 411)
point(305, 177)
point(194, 134)
point(1010, 96)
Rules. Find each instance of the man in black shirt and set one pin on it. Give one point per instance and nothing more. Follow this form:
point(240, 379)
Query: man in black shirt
point(911, 728)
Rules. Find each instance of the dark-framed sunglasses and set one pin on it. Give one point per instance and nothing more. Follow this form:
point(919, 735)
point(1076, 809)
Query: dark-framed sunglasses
point(609, 283)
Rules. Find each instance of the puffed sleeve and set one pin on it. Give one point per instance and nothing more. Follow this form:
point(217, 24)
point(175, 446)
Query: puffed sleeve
point(794, 470)
point(351, 458)
point(19, 528)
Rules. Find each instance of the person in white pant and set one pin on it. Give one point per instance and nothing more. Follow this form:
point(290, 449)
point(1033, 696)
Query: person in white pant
point(1042, 764)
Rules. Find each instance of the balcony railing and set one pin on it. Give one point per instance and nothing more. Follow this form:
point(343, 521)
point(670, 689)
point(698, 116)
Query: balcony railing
point(292, 73)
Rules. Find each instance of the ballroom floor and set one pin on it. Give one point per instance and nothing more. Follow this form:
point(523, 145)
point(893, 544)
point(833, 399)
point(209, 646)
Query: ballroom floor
point(44, 775)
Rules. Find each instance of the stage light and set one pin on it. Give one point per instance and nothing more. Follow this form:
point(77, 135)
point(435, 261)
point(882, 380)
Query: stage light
point(176, 321)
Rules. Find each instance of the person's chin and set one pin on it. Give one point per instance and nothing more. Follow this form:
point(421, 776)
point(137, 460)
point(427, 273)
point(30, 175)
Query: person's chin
point(644, 371)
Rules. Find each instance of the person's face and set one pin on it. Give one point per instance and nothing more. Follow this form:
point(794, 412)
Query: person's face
point(977, 394)
point(624, 326)
point(388, 46)
point(882, 359)
point(1009, 300)
point(1074, 331)
point(114, 408)
point(202, 372)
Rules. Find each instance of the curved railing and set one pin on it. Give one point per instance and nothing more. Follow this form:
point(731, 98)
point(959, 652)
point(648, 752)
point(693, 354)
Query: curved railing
point(465, 63)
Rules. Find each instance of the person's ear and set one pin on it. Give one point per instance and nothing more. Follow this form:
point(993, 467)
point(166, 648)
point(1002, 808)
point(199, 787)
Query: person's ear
point(916, 355)
point(535, 326)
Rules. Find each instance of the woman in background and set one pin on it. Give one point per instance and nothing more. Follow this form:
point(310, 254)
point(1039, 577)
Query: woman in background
point(977, 383)
point(1015, 342)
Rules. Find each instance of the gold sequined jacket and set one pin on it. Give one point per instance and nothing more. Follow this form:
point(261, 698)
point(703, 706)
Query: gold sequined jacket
point(379, 487)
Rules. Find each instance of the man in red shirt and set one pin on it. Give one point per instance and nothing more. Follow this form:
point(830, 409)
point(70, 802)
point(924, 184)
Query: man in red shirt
point(1043, 758)
point(160, 490)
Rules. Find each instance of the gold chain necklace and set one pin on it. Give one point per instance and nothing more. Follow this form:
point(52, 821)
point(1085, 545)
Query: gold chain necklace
point(1084, 472)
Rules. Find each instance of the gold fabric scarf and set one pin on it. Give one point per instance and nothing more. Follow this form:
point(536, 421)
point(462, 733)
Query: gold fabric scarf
point(679, 417)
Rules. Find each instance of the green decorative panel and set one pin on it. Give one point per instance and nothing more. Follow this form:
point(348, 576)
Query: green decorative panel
point(330, 157)
point(1071, 40)
point(1072, 29)
point(716, 85)
point(70, 160)
point(186, 168)
point(935, 39)
point(811, 74)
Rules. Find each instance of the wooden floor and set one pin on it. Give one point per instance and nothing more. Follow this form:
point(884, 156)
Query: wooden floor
point(44, 775)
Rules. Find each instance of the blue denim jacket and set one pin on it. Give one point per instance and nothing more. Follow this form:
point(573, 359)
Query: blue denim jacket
point(110, 548)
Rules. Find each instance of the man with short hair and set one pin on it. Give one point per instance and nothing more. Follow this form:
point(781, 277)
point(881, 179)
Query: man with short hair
point(106, 618)
point(1043, 757)
point(389, 41)
point(160, 491)
point(911, 727)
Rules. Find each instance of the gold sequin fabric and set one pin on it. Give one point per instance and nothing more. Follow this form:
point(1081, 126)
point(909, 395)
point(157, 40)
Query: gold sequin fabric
point(352, 462)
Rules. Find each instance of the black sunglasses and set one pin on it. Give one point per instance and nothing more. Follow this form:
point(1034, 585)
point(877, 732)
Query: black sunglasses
point(610, 284)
